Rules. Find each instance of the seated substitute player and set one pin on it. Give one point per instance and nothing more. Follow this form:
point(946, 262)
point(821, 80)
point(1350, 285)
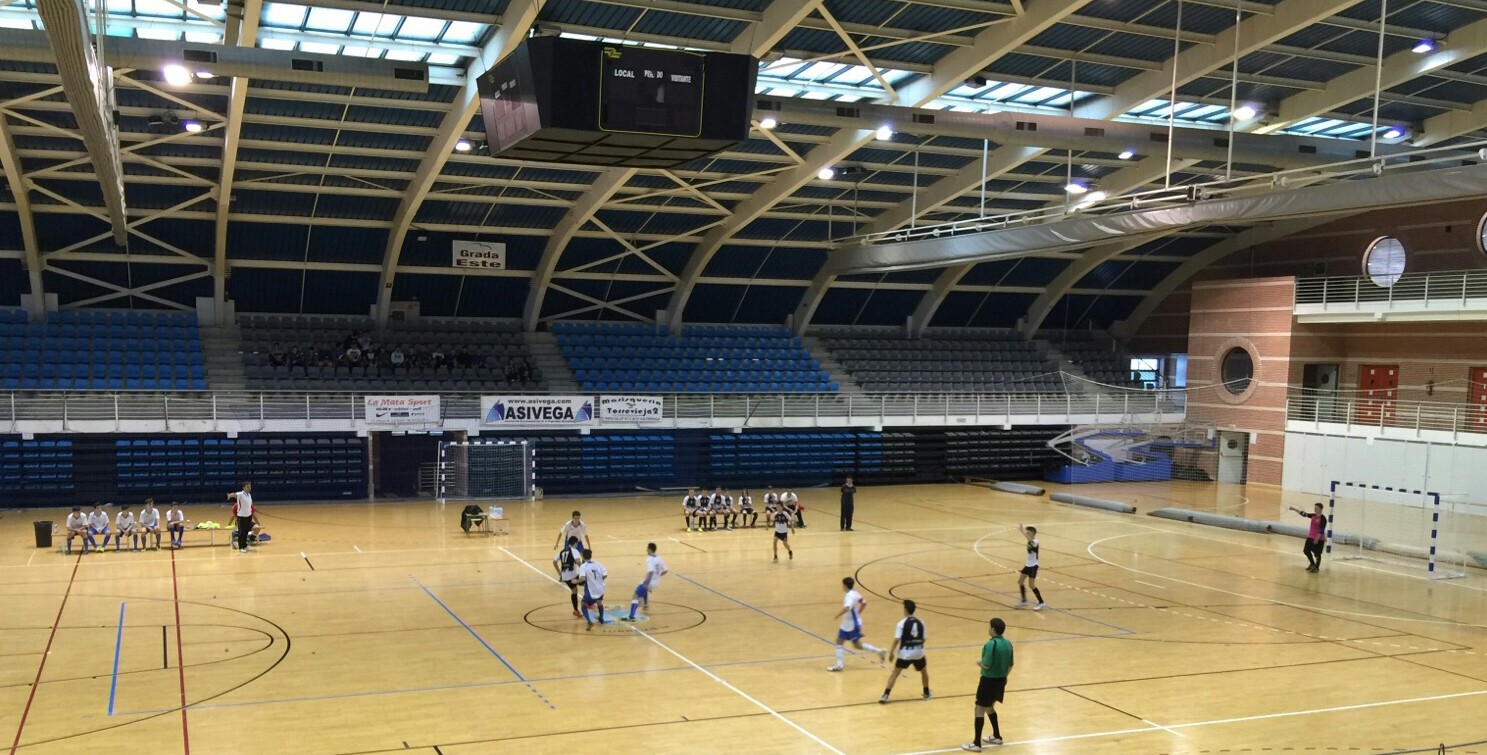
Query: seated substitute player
point(691, 509)
point(714, 508)
point(727, 511)
point(746, 510)
point(791, 502)
point(783, 526)
point(149, 523)
point(124, 525)
point(851, 626)
point(567, 562)
point(98, 525)
point(907, 649)
point(592, 575)
point(655, 569)
point(77, 526)
point(175, 522)
point(1028, 577)
point(771, 502)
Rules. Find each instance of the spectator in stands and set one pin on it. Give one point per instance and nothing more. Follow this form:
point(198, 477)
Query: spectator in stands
point(353, 356)
point(364, 341)
point(397, 357)
point(276, 355)
point(296, 356)
point(523, 371)
point(436, 359)
point(511, 372)
point(460, 358)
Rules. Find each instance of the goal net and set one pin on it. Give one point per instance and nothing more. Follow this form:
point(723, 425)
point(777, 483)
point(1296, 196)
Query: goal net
point(1416, 529)
point(485, 469)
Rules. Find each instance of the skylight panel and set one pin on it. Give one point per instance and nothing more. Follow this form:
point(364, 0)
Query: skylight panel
point(819, 71)
point(464, 32)
point(1318, 124)
point(329, 19)
point(443, 59)
point(404, 55)
point(204, 37)
point(375, 24)
point(781, 92)
point(817, 95)
point(284, 15)
point(276, 44)
point(853, 75)
point(361, 52)
point(121, 7)
point(1202, 111)
point(166, 35)
point(158, 8)
point(1038, 95)
point(1144, 107)
point(427, 29)
point(14, 23)
point(848, 98)
point(319, 48)
point(1004, 91)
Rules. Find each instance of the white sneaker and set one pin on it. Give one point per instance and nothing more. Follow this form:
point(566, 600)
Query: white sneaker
point(834, 668)
point(992, 740)
point(1021, 604)
point(972, 747)
point(1040, 606)
point(245, 550)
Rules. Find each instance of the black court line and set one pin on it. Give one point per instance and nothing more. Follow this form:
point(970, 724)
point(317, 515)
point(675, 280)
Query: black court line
point(307, 563)
point(689, 545)
point(164, 648)
point(1102, 704)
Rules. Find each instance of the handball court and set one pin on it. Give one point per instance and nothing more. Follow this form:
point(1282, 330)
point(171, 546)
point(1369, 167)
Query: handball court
point(384, 628)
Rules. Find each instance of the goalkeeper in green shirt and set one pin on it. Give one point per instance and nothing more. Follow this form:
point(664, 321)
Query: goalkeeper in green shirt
point(996, 664)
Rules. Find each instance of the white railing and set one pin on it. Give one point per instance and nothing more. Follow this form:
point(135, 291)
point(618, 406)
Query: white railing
point(1356, 413)
point(1456, 286)
point(1249, 184)
point(300, 411)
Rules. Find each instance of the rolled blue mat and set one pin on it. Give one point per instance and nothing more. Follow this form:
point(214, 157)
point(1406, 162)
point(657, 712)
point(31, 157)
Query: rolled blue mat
point(1094, 503)
point(1017, 487)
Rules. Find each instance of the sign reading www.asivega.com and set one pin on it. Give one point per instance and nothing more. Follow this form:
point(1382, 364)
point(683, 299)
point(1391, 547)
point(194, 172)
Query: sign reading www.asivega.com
point(536, 410)
point(401, 410)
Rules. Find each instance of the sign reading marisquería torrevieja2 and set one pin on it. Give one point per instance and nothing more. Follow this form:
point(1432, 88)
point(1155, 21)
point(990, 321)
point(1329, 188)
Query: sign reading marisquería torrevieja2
point(536, 410)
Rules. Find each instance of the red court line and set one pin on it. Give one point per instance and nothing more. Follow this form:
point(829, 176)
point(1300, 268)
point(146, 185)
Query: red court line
point(15, 745)
point(180, 658)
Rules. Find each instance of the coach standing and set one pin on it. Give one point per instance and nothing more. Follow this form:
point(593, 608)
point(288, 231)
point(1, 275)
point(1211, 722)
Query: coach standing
point(242, 508)
point(849, 493)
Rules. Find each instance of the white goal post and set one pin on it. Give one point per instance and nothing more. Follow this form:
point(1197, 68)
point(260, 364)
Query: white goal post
point(485, 470)
point(1401, 526)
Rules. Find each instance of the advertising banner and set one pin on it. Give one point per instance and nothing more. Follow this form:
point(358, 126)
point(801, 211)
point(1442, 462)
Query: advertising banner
point(536, 410)
point(401, 410)
point(631, 408)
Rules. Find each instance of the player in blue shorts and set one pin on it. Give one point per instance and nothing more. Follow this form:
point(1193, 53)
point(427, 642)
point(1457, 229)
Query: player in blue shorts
point(592, 574)
point(655, 568)
point(850, 629)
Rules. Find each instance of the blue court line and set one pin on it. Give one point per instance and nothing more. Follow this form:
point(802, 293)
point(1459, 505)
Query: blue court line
point(482, 642)
point(756, 609)
point(113, 685)
point(1123, 631)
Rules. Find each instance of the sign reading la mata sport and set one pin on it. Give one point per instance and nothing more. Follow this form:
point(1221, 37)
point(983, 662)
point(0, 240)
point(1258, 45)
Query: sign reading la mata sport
point(536, 410)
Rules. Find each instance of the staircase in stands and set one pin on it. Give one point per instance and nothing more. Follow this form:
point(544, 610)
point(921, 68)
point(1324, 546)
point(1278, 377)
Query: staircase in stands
point(221, 349)
point(550, 360)
point(839, 374)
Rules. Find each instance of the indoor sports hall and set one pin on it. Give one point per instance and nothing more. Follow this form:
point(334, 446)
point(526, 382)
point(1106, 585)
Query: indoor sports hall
point(776, 376)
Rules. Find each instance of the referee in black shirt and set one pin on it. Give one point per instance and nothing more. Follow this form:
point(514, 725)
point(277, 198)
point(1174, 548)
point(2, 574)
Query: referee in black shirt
point(849, 491)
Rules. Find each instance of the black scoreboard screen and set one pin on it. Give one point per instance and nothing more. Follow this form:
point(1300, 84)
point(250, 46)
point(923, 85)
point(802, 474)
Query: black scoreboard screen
point(508, 103)
point(648, 91)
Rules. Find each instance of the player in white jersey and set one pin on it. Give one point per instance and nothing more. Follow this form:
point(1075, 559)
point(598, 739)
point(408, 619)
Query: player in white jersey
point(726, 510)
point(242, 510)
point(124, 525)
point(691, 506)
point(574, 528)
point(1028, 577)
point(655, 569)
point(746, 511)
point(908, 650)
point(175, 521)
point(714, 505)
point(784, 524)
point(567, 562)
point(98, 525)
point(592, 575)
point(791, 502)
point(77, 526)
point(149, 523)
point(771, 502)
point(850, 629)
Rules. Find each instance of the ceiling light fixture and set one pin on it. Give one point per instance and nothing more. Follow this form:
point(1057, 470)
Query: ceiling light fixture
point(1423, 46)
point(885, 132)
point(1126, 153)
point(1393, 132)
point(826, 174)
point(192, 126)
point(463, 145)
point(203, 74)
point(1245, 112)
point(176, 75)
point(768, 123)
point(1077, 187)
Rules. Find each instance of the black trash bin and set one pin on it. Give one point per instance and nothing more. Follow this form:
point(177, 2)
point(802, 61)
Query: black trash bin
point(43, 534)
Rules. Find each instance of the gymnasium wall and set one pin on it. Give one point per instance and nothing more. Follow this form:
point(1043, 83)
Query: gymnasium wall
point(1254, 315)
point(1435, 359)
point(1438, 237)
point(1313, 460)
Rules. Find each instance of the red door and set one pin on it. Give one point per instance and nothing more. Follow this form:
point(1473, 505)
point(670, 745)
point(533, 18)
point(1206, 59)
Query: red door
point(1478, 393)
point(1378, 386)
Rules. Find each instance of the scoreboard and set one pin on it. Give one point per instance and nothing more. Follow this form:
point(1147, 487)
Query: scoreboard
point(648, 91)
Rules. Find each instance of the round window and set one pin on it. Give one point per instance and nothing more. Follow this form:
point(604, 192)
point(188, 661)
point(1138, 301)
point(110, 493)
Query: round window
point(1383, 261)
point(1237, 370)
point(1482, 235)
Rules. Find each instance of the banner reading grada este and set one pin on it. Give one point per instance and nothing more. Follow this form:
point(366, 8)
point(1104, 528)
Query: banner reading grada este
point(401, 410)
point(536, 410)
point(631, 408)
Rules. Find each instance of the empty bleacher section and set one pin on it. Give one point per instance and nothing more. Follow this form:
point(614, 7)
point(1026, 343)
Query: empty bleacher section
point(101, 350)
point(80, 469)
point(289, 352)
point(705, 358)
point(884, 361)
point(1102, 363)
point(621, 462)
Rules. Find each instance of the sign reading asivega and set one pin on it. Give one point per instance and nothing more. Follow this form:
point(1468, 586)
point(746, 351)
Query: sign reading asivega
point(536, 410)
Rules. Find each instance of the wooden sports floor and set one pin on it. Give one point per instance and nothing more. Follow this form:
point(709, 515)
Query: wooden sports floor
point(383, 628)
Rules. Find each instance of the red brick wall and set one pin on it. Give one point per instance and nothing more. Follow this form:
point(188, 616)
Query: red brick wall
point(1442, 353)
point(1255, 314)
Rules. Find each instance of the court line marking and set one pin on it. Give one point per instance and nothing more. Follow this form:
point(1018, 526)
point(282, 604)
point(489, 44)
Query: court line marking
point(1148, 584)
point(483, 643)
point(529, 565)
point(45, 653)
point(175, 590)
point(1235, 720)
point(756, 609)
point(1122, 630)
point(739, 692)
point(113, 685)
